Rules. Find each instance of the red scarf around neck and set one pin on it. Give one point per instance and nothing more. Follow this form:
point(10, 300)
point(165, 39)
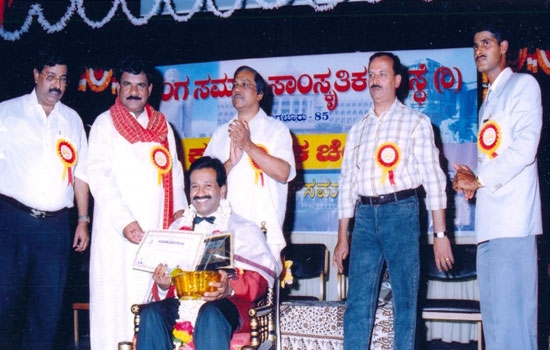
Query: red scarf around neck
point(157, 131)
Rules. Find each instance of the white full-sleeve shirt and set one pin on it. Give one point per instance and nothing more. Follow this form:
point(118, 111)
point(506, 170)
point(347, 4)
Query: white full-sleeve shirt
point(31, 168)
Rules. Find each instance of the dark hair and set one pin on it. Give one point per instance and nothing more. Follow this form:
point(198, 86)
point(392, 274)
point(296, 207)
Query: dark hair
point(402, 90)
point(397, 67)
point(260, 82)
point(495, 27)
point(134, 65)
point(501, 32)
point(48, 57)
point(207, 162)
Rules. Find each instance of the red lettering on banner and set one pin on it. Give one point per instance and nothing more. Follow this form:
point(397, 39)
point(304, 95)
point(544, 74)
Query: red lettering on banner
point(278, 86)
point(358, 81)
point(343, 77)
point(330, 153)
point(301, 152)
point(305, 89)
point(281, 84)
point(322, 85)
point(444, 78)
point(202, 89)
point(225, 91)
point(195, 153)
point(332, 100)
point(171, 90)
point(418, 83)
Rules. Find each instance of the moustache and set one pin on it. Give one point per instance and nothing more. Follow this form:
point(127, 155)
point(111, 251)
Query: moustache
point(375, 86)
point(480, 56)
point(137, 98)
point(56, 90)
point(196, 198)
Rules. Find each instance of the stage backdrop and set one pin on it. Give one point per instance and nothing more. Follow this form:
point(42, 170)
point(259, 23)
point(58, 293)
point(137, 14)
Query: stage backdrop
point(319, 98)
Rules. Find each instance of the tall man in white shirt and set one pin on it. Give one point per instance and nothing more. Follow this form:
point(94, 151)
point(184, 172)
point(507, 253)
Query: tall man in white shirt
point(258, 157)
point(42, 155)
point(137, 183)
point(506, 185)
point(389, 154)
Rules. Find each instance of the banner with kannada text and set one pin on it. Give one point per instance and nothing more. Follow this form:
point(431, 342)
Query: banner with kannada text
point(319, 98)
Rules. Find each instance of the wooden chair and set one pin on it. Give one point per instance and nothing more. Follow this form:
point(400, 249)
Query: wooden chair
point(76, 308)
point(263, 324)
point(310, 260)
point(459, 310)
point(342, 281)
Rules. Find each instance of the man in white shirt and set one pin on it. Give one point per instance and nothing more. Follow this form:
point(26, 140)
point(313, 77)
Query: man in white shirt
point(258, 157)
point(42, 155)
point(137, 183)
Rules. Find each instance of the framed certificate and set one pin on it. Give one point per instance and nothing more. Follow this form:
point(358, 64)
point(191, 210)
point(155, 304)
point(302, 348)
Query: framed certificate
point(187, 250)
point(218, 252)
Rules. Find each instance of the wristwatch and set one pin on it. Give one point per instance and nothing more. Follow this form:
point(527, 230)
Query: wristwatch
point(440, 234)
point(85, 218)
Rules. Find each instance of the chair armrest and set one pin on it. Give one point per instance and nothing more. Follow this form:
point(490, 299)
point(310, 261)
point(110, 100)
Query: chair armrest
point(262, 321)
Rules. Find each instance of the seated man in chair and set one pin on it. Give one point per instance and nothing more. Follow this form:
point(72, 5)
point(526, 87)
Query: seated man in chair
point(226, 309)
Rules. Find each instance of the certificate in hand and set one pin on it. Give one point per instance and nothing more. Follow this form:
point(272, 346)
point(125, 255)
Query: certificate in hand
point(187, 250)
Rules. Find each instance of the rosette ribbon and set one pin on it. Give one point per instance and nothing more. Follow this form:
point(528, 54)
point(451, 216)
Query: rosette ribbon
point(160, 157)
point(489, 139)
point(387, 157)
point(68, 156)
point(258, 173)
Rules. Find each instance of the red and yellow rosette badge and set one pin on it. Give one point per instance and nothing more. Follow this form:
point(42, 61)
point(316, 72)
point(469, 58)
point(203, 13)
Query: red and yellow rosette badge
point(489, 139)
point(67, 153)
point(161, 160)
point(387, 157)
point(258, 173)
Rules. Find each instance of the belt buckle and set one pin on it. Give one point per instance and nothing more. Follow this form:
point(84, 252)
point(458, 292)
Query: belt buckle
point(39, 214)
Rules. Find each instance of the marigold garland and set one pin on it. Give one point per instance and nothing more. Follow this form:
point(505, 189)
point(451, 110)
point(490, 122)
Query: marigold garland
point(522, 57)
point(114, 85)
point(82, 83)
point(532, 61)
point(98, 85)
point(544, 60)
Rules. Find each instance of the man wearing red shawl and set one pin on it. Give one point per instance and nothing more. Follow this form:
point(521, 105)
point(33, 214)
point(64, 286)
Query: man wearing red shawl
point(137, 184)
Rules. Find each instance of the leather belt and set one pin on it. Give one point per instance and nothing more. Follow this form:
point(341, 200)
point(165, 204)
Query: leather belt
point(388, 198)
point(40, 214)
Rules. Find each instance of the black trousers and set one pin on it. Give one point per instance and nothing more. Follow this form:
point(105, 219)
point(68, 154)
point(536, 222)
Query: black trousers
point(34, 254)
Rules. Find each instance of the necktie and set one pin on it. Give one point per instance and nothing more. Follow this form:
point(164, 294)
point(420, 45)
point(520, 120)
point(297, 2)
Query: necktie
point(199, 219)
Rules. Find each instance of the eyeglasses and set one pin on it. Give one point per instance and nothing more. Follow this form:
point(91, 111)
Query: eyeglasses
point(50, 78)
point(245, 85)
